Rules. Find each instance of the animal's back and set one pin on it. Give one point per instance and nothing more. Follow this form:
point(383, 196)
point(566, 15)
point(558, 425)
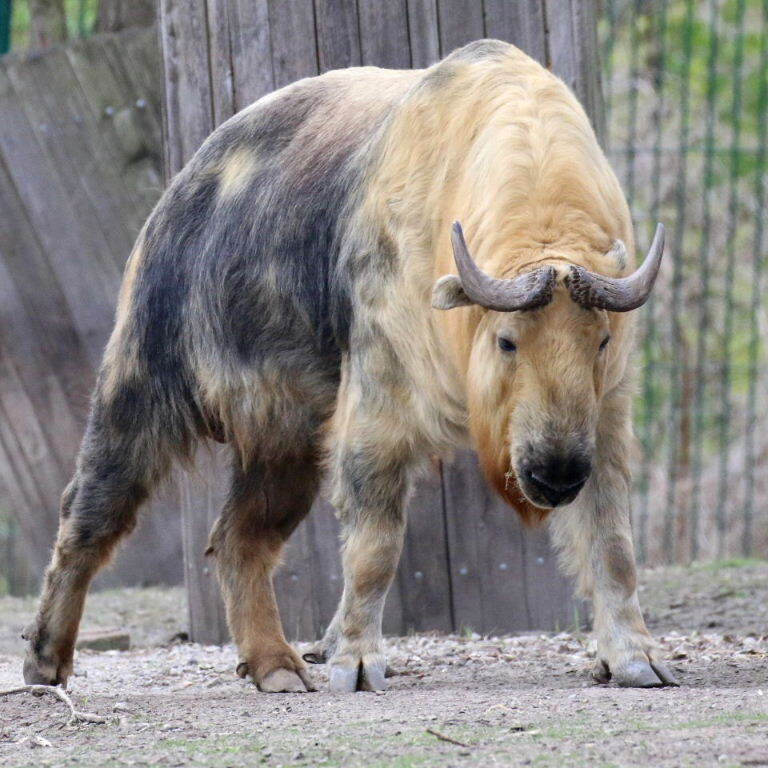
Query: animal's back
point(236, 264)
point(249, 229)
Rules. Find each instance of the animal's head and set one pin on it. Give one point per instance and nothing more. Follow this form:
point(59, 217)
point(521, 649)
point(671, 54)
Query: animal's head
point(537, 367)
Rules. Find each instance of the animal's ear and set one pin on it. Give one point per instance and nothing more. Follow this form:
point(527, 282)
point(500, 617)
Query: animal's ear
point(449, 293)
point(618, 253)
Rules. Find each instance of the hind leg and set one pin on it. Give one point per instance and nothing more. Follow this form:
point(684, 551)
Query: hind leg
point(266, 502)
point(116, 470)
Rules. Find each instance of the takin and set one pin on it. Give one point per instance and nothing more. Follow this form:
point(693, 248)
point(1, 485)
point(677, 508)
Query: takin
point(288, 297)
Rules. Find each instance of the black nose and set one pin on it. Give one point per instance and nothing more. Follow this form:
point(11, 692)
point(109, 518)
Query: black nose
point(558, 478)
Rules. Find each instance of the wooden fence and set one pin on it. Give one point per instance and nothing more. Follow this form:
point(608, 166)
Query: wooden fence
point(80, 146)
point(467, 561)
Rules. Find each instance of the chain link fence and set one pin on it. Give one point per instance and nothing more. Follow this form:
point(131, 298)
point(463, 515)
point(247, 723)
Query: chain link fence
point(686, 92)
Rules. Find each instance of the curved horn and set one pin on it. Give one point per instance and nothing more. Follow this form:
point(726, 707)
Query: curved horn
point(618, 294)
point(527, 291)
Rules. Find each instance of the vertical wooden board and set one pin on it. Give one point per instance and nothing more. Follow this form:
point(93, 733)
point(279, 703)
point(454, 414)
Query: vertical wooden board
point(423, 32)
point(384, 34)
point(327, 576)
point(251, 48)
point(479, 547)
point(498, 582)
point(139, 50)
point(338, 38)
point(134, 61)
point(460, 22)
point(422, 586)
point(188, 99)
point(462, 488)
point(294, 588)
point(574, 56)
point(188, 111)
point(23, 578)
point(201, 499)
point(292, 32)
point(521, 23)
point(550, 596)
point(220, 60)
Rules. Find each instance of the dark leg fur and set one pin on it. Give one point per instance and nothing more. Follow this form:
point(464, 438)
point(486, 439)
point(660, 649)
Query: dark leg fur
point(266, 502)
point(117, 468)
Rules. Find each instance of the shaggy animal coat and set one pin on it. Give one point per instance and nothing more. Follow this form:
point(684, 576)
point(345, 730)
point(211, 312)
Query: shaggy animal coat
point(278, 300)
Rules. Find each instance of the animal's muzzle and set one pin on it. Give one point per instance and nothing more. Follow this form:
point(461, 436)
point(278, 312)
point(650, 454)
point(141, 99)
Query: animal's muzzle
point(554, 480)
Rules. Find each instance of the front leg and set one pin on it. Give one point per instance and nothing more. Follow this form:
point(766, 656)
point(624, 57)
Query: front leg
point(369, 493)
point(595, 541)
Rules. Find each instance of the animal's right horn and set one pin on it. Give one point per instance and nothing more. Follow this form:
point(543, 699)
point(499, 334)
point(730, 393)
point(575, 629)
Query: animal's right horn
point(618, 294)
point(527, 291)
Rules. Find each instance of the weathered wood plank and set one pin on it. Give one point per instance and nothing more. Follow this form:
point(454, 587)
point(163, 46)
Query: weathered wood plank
point(137, 125)
point(59, 225)
point(35, 473)
point(504, 575)
point(201, 499)
point(251, 46)
point(45, 318)
point(574, 55)
point(460, 22)
point(220, 60)
point(189, 118)
point(384, 34)
point(294, 585)
point(420, 598)
point(338, 34)
point(134, 56)
point(327, 577)
point(292, 32)
point(63, 126)
point(114, 117)
point(520, 22)
point(550, 601)
point(423, 32)
point(188, 99)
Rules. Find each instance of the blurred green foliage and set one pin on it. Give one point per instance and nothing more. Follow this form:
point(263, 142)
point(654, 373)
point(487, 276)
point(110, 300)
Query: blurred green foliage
point(81, 16)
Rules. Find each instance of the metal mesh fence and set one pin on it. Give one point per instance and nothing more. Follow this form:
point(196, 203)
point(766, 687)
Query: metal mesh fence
point(686, 90)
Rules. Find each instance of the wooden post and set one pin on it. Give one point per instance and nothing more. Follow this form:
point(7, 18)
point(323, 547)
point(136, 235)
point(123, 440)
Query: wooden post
point(467, 559)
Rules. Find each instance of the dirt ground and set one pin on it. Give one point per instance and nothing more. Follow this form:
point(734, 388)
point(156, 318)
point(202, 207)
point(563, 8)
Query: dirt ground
point(524, 700)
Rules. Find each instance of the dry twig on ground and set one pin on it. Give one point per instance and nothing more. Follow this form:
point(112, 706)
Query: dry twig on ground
point(61, 695)
point(443, 737)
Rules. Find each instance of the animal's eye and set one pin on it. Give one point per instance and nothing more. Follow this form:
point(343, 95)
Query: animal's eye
point(604, 342)
point(506, 345)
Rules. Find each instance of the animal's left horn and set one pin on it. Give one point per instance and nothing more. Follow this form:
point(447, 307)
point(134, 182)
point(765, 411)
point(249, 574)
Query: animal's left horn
point(618, 294)
point(527, 291)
